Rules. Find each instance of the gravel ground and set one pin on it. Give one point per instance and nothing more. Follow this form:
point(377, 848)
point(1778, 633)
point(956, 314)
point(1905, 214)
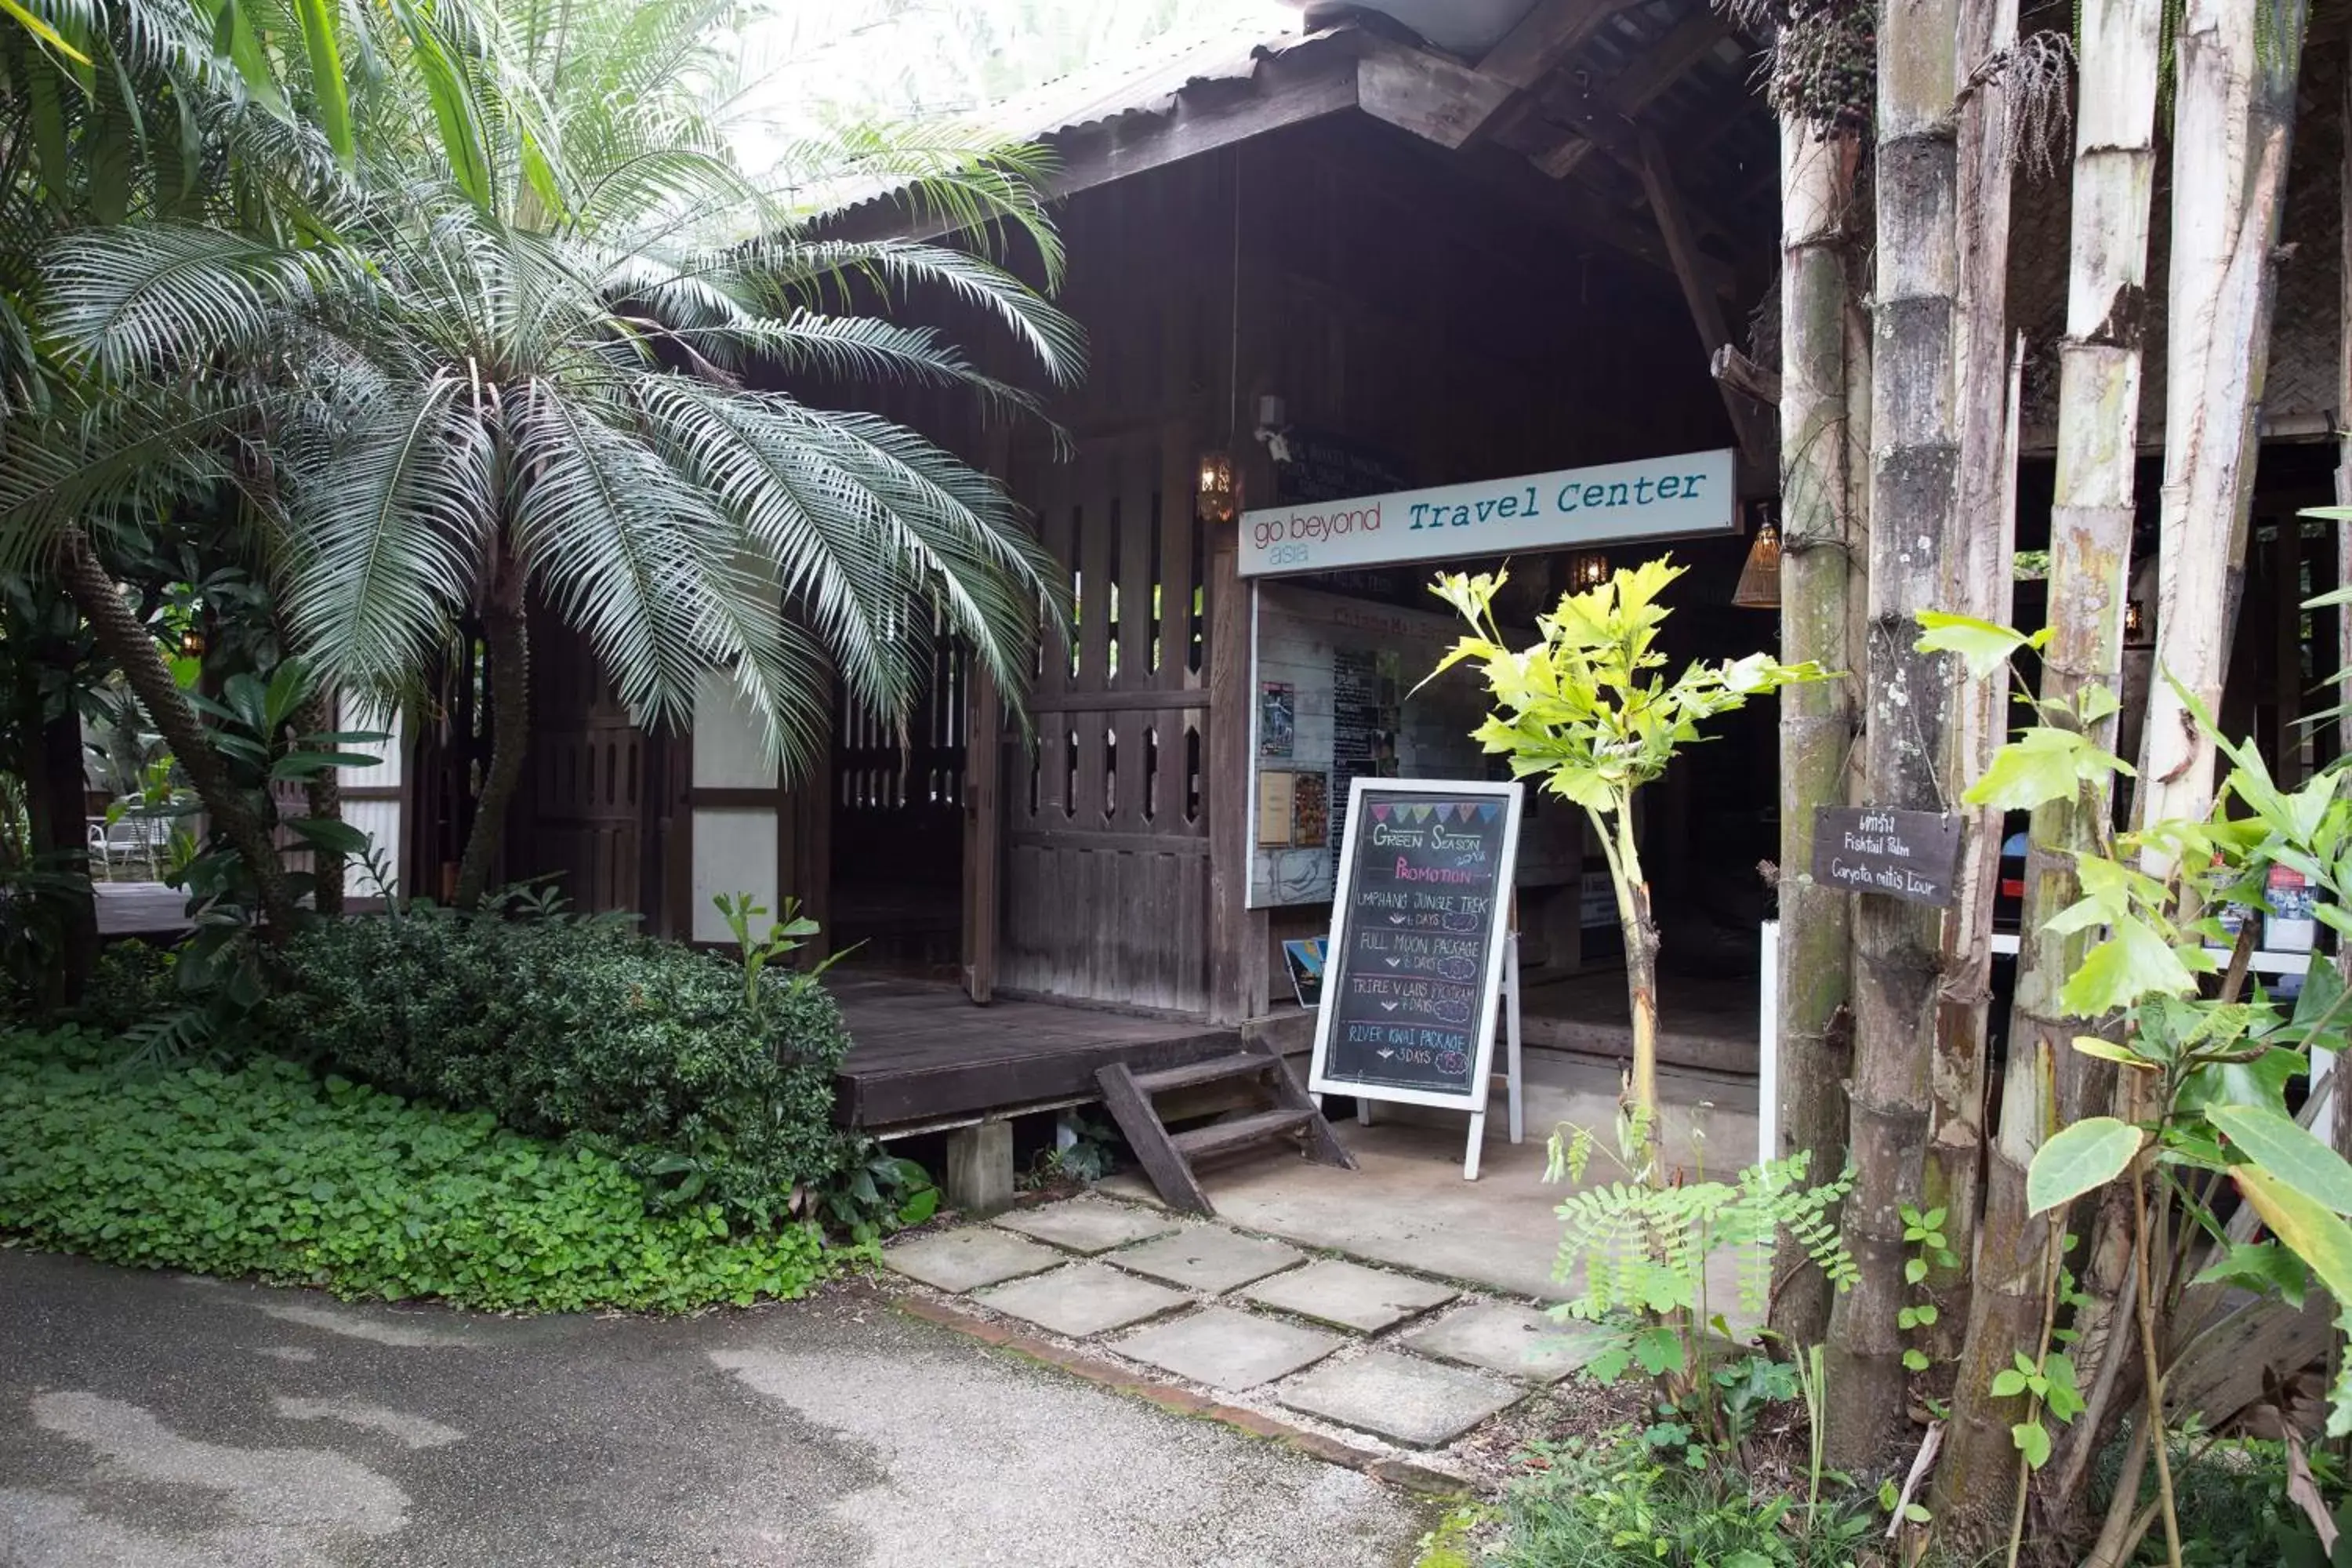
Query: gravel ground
point(150, 1421)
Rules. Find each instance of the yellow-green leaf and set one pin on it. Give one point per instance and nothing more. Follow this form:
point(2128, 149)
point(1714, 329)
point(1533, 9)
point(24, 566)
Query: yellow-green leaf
point(2032, 1440)
point(2285, 1149)
point(1982, 645)
point(2132, 963)
point(2090, 1153)
point(43, 31)
point(2108, 1051)
point(2321, 1239)
point(334, 105)
point(2040, 767)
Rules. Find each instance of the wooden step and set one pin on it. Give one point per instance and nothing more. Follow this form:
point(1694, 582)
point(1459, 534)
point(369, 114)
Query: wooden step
point(1245, 1064)
point(1221, 1135)
point(1168, 1159)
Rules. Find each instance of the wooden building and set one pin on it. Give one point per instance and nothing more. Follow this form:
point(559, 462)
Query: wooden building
point(1441, 274)
point(1413, 266)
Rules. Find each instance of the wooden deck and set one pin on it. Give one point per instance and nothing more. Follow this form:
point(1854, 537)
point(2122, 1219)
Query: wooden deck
point(923, 1053)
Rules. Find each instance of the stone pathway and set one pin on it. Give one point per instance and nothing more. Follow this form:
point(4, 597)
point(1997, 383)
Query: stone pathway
point(1414, 1362)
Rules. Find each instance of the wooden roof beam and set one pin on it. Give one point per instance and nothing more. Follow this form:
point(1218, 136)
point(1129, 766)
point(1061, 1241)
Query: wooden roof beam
point(1437, 98)
point(1441, 101)
point(1503, 177)
point(1755, 432)
point(1527, 54)
point(1545, 37)
point(1640, 84)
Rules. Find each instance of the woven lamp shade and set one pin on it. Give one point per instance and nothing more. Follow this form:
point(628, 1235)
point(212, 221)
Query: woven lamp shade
point(1760, 579)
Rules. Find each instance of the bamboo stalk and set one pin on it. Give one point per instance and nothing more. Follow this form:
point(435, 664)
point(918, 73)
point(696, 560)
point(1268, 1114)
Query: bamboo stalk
point(1979, 584)
point(1914, 474)
point(1817, 718)
point(2047, 1084)
point(2237, 62)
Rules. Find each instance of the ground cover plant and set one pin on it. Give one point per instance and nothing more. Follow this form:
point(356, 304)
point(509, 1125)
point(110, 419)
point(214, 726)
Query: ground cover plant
point(269, 1172)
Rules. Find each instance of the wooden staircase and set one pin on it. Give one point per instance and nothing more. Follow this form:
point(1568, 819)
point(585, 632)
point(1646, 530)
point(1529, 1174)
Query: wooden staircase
point(1167, 1157)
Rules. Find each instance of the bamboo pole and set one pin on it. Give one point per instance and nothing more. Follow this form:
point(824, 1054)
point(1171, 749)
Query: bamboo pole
point(2236, 65)
point(2341, 1129)
point(1816, 719)
point(2044, 1084)
point(1979, 583)
point(2237, 61)
point(1914, 477)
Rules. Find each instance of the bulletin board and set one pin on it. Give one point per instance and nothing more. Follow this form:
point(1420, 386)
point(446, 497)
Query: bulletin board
point(1333, 700)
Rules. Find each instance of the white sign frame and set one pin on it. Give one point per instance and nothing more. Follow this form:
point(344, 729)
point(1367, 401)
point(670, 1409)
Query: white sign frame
point(1501, 954)
point(1643, 498)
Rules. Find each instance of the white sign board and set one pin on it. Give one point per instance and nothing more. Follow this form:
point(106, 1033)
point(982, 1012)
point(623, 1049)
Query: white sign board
point(1653, 497)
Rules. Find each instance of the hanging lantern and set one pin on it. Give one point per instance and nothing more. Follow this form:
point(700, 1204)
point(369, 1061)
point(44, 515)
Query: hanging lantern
point(192, 642)
point(1760, 579)
point(1217, 498)
point(2135, 623)
point(1587, 571)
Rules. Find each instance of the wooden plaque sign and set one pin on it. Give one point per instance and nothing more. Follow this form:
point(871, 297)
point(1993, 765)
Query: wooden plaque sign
point(1415, 956)
point(1903, 854)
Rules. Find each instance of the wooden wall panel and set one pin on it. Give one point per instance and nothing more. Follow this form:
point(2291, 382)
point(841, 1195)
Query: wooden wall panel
point(1106, 875)
point(580, 811)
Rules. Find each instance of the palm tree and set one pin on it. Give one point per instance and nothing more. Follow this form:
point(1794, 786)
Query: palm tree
point(124, 111)
point(543, 357)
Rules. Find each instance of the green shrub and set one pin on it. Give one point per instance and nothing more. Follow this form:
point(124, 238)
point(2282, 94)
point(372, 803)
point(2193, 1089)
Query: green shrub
point(131, 985)
point(269, 1172)
point(1609, 1502)
point(579, 1031)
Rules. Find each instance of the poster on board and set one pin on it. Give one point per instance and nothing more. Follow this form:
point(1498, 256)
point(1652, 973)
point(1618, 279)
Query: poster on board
point(1413, 964)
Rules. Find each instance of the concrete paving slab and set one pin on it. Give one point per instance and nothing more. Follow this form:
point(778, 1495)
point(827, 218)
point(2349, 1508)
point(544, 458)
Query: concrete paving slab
point(1207, 1258)
point(1517, 1341)
point(1348, 1295)
point(1088, 1225)
point(1399, 1397)
point(1407, 1206)
point(1083, 1300)
point(1228, 1350)
point(967, 1259)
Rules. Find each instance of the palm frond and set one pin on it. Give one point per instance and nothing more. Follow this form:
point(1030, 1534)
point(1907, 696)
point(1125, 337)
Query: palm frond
point(829, 553)
point(795, 272)
point(611, 535)
point(169, 297)
point(947, 178)
point(393, 502)
point(142, 450)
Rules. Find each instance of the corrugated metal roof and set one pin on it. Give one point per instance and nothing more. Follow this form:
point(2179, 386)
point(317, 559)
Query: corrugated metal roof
point(1145, 81)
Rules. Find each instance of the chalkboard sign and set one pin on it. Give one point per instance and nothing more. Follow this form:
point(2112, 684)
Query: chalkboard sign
point(1415, 955)
point(1909, 855)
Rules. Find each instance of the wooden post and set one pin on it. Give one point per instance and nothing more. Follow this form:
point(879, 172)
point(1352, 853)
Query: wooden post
point(1751, 429)
point(983, 832)
point(1238, 958)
